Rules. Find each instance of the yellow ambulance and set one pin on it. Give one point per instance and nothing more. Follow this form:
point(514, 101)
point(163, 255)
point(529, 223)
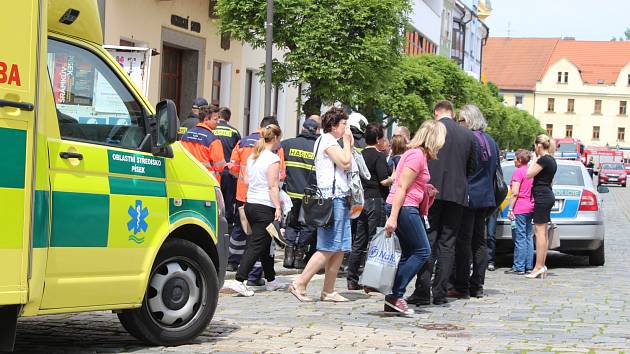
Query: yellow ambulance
point(100, 207)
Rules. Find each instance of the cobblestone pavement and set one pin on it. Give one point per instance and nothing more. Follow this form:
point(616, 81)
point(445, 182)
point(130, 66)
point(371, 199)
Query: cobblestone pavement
point(576, 309)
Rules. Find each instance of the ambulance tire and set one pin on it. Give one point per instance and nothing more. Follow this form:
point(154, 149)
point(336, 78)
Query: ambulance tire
point(143, 324)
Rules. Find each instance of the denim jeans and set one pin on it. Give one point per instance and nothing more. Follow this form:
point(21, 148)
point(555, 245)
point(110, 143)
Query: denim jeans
point(414, 245)
point(523, 242)
point(491, 227)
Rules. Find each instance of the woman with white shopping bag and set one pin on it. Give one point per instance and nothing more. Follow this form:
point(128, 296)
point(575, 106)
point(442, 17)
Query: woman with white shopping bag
point(409, 192)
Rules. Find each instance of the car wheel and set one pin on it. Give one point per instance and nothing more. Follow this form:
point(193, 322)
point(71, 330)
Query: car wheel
point(180, 299)
point(597, 257)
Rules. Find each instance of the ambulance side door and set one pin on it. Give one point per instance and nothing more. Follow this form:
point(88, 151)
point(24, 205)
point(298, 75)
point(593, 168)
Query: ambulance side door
point(108, 197)
point(19, 60)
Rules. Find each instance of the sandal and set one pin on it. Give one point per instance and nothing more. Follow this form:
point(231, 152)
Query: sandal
point(300, 295)
point(332, 297)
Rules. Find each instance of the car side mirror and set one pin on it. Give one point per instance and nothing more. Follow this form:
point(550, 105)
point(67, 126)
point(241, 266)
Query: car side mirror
point(167, 124)
point(602, 189)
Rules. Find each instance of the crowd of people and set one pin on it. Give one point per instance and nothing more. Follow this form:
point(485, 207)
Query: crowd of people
point(436, 191)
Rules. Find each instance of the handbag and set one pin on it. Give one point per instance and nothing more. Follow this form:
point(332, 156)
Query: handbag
point(553, 237)
point(316, 211)
point(500, 186)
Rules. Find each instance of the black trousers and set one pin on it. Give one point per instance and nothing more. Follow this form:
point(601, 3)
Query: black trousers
point(258, 243)
point(367, 223)
point(471, 243)
point(444, 221)
point(296, 233)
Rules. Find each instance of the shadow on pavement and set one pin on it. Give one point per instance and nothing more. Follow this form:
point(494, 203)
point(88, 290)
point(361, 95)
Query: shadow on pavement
point(59, 334)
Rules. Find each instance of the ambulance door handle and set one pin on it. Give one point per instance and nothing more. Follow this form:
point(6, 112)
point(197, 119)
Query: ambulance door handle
point(19, 105)
point(70, 155)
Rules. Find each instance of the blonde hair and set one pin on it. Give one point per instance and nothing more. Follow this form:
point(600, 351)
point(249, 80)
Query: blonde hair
point(399, 145)
point(546, 142)
point(430, 137)
point(267, 134)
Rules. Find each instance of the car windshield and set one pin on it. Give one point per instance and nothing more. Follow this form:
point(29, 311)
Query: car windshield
point(566, 175)
point(567, 147)
point(612, 166)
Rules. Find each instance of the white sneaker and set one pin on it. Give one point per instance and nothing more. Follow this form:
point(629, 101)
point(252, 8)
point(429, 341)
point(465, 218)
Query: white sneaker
point(240, 288)
point(275, 285)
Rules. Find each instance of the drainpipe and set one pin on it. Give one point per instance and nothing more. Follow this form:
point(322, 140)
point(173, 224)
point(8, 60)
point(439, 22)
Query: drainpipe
point(483, 44)
point(464, 24)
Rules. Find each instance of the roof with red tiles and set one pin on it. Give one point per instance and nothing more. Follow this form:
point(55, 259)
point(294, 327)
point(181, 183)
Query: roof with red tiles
point(518, 63)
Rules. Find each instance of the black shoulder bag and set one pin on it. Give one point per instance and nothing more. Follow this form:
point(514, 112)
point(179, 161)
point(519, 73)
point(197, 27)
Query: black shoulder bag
point(317, 211)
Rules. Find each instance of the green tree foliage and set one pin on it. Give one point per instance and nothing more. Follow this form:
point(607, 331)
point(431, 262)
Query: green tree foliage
point(422, 80)
point(343, 49)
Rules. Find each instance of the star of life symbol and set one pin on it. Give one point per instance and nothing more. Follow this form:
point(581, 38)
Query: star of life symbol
point(137, 223)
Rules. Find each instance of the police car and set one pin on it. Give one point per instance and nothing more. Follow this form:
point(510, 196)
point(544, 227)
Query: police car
point(577, 212)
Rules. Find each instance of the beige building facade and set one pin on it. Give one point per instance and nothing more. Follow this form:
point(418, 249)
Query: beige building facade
point(597, 114)
point(576, 89)
point(194, 60)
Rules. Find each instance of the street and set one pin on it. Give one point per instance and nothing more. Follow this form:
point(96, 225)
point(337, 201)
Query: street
point(576, 309)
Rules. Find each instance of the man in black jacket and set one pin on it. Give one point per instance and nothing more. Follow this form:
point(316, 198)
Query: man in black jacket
point(449, 174)
point(298, 157)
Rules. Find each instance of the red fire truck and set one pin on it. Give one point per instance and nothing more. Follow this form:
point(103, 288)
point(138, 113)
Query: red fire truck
point(570, 149)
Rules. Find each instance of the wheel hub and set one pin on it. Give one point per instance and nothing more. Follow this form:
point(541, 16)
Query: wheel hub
point(175, 294)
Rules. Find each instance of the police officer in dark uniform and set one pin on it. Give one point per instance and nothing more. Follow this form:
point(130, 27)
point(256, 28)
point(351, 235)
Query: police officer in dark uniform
point(193, 117)
point(229, 137)
point(298, 155)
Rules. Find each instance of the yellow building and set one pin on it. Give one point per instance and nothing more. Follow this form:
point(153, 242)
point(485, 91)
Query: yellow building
point(195, 60)
point(578, 89)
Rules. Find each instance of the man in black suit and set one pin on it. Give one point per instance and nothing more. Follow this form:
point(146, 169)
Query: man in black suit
point(449, 174)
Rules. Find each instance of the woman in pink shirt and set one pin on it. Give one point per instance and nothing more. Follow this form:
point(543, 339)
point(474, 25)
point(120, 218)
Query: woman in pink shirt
point(408, 192)
point(521, 212)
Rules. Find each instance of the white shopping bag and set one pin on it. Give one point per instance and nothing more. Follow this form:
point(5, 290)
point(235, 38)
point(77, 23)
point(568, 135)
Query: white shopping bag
point(382, 262)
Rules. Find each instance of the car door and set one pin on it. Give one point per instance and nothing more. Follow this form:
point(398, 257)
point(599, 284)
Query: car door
point(108, 198)
point(19, 58)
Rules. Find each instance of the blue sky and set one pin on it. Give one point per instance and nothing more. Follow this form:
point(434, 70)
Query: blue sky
point(582, 19)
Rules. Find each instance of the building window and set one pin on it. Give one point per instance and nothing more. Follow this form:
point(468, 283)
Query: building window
point(623, 108)
point(569, 131)
point(212, 9)
point(566, 77)
point(628, 79)
point(518, 100)
point(551, 102)
point(621, 134)
point(550, 130)
point(571, 105)
point(595, 133)
point(216, 84)
point(598, 107)
point(559, 77)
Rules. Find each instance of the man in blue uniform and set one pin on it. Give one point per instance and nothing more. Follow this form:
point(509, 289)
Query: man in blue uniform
point(229, 137)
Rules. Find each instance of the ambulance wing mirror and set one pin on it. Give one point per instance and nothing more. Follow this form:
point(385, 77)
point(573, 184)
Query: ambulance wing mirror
point(167, 123)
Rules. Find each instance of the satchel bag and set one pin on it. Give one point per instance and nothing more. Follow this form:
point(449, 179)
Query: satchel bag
point(317, 211)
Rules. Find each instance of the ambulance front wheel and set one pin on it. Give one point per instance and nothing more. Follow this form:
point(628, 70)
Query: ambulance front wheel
point(181, 296)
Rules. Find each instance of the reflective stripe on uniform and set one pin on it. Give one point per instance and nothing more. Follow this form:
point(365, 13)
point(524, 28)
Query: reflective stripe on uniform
point(295, 195)
point(300, 165)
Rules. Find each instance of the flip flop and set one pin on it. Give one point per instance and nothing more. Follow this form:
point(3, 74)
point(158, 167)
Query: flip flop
point(299, 295)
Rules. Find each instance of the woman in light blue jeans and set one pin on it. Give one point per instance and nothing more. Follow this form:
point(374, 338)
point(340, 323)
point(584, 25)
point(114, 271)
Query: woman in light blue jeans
point(521, 211)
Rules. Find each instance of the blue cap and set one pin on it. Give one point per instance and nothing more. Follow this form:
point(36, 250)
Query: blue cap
point(199, 102)
point(310, 125)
